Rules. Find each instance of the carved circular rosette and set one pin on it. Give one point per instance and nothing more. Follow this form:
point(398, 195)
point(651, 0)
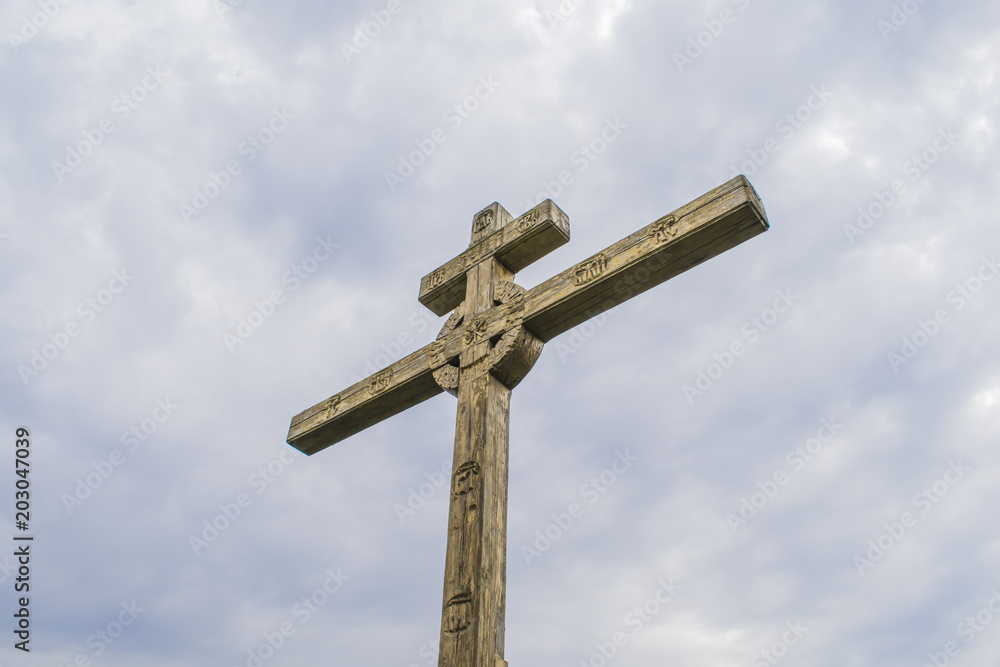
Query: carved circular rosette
point(445, 374)
point(509, 361)
point(514, 356)
point(447, 378)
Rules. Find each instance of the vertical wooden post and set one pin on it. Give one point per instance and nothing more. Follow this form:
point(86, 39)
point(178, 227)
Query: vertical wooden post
point(472, 623)
point(472, 628)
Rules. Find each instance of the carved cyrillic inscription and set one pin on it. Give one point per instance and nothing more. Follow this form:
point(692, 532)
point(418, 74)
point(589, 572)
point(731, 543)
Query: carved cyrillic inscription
point(591, 270)
point(562, 222)
point(465, 478)
point(457, 614)
point(465, 486)
point(435, 354)
point(331, 407)
point(528, 220)
point(483, 220)
point(435, 279)
point(380, 382)
point(664, 229)
point(476, 332)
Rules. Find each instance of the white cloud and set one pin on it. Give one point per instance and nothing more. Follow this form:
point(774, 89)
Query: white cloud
point(620, 387)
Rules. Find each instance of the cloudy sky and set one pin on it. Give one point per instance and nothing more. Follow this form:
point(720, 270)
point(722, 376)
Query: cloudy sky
point(215, 214)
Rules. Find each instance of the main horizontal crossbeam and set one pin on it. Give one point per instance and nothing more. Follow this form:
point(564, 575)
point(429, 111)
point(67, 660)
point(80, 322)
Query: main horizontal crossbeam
point(706, 227)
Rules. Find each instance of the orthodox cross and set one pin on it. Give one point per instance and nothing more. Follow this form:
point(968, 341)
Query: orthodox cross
point(489, 343)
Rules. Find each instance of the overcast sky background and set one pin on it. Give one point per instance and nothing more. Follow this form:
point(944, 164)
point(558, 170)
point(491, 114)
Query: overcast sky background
point(558, 74)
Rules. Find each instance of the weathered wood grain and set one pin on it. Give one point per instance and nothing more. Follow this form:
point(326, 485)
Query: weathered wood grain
point(490, 342)
point(701, 229)
point(472, 615)
point(692, 234)
point(516, 243)
point(402, 385)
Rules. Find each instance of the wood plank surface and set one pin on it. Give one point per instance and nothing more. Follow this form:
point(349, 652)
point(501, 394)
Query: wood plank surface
point(474, 601)
point(402, 385)
point(517, 244)
point(692, 234)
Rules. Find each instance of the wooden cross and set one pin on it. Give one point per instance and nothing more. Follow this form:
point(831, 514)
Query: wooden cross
point(493, 338)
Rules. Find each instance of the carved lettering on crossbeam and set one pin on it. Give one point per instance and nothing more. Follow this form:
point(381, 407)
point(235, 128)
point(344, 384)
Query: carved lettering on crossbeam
point(664, 229)
point(435, 279)
point(562, 221)
point(332, 406)
point(477, 330)
point(435, 354)
point(380, 382)
point(591, 270)
point(528, 219)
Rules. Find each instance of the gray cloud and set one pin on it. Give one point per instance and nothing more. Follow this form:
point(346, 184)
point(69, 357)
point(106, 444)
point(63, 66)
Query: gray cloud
point(596, 391)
